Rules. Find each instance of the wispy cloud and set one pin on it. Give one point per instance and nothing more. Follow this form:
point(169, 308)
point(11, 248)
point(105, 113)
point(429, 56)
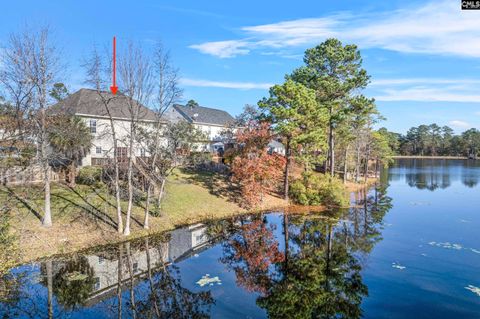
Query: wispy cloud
point(426, 90)
point(422, 81)
point(223, 49)
point(423, 94)
point(438, 27)
point(459, 124)
point(227, 85)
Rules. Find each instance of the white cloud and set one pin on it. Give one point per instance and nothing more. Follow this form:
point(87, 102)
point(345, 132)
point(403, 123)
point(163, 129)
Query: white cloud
point(438, 27)
point(423, 94)
point(228, 85)
point(459, 124)
point(426, 90)
point(422, 81)
point(223, 49)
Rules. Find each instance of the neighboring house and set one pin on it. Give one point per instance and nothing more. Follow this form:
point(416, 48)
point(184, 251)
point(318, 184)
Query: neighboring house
point(211, 121)
point(88, 105)
point(276, 147)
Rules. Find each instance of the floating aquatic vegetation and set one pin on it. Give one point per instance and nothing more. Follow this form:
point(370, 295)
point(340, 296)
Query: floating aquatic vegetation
point(473, 289)
point(207, 280)
point(419, 203)
point(76, 276)
point(398, 266)
point(446, 245)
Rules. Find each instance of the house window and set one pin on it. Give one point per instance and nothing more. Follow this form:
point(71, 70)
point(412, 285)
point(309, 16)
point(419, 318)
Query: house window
point(98, 150)
point(121, 153)
point(97, 283)
point(93, 126)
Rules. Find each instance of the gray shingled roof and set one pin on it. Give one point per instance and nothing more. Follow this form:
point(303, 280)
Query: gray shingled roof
point(88, 102)
point(200, 114)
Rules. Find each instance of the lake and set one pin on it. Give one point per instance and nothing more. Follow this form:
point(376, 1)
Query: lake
point(408, 248)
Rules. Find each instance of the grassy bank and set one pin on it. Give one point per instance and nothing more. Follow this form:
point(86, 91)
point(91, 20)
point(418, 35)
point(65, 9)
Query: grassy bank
point(85, 216)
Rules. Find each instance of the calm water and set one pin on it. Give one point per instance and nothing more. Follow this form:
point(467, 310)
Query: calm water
point(409, 249)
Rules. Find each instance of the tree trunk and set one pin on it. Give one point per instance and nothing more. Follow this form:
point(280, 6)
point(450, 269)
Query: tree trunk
point(357, 166)
point(47, 217)
point(48, 266)
point(150, 279)
point(120, 279)
point(117, 193)
point(345, 163)
point(116, 180)
point(147, 206)
point(331, 152)
point(132, 278)
point(287, 169)
point(285, 236)
point(131, 158)
point(160, 195)
point(72, 173)
point(332, 155)
point(367, 155)
point(126, 231)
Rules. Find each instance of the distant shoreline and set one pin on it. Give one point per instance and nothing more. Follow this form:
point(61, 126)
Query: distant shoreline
point(430, 157)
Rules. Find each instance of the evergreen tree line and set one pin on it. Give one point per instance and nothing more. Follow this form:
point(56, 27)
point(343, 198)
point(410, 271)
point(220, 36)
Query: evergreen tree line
point(434, 140)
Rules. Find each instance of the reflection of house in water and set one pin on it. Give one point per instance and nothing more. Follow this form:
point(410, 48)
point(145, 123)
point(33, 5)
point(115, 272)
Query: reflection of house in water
point(183, 243)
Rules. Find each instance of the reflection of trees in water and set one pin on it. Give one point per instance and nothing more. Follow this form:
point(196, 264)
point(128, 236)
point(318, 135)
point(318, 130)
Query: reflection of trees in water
point(470, 180)
point(168, 298)
point(319, 275)
point(430, 180)
point(316, 275)
point(72, 283)
point(10, 294)
point(436, 174)
point(65, 286)
point(250, 252)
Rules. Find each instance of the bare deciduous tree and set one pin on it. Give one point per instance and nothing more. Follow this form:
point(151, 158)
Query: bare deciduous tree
point(31, 67)
point(98, 69)
point(135, 75)
point(168, 93)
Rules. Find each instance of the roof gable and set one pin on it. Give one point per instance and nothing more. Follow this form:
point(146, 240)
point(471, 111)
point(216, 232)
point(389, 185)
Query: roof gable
point(89, 102)
point(206, 115)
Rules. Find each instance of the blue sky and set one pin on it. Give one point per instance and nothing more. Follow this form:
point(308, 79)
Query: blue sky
point(424, 57)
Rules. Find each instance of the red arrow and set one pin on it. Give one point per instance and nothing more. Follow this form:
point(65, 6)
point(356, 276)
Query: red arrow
point(114, 87)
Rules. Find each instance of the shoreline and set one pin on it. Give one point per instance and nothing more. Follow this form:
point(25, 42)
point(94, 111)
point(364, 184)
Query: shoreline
point(65, 236)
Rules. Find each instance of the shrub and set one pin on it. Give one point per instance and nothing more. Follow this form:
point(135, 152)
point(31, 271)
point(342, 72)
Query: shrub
point(314, 189)
point(89, 175)
point(199, 158)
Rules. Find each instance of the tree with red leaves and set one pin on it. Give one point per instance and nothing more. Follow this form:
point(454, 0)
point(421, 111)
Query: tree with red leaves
point(251, 252)
point(254, 168)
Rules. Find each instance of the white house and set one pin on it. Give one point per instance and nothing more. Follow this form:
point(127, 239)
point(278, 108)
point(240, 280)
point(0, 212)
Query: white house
point(211, 121)
point(88, 105)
